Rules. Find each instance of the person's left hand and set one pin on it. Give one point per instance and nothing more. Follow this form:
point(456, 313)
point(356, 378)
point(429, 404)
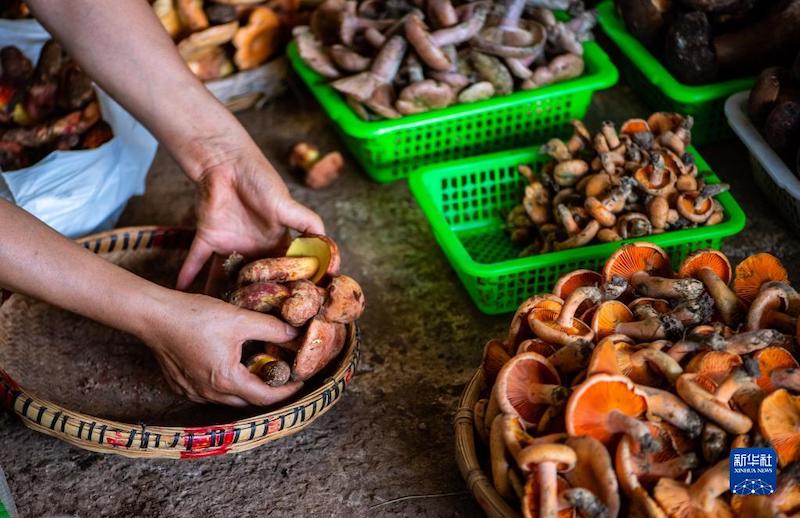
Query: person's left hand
point(244, 206)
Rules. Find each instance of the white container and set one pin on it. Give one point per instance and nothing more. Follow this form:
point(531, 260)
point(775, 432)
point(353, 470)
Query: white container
point(771, 173)
point(6, 501)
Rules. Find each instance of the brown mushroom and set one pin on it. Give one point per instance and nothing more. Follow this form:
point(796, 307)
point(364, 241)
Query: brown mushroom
point(716, 405)
point(547, 460)
point(345, 301)
point(700, 499)
point(321, 344)
point(526, 385)
point(313, 54)
point(561, 327)
point(595, 472)
point(256, 41)
point(424, 96)
point(712, 268)
point(773, 308)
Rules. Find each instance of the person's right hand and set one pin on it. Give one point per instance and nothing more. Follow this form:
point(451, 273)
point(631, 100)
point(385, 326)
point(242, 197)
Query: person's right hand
point(198, 343)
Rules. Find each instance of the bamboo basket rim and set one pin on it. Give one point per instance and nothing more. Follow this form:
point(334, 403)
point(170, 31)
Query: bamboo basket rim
point(178, 442)
point(478, 481)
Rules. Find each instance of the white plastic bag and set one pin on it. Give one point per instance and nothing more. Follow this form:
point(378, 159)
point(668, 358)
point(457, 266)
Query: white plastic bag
point(85, 191)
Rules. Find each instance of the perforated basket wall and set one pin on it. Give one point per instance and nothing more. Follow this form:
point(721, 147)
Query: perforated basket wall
point(466, 201)
point(661, 91)
point(390, 149)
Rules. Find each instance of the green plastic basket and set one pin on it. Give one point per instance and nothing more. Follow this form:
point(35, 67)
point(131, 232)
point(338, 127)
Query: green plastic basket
point(390, 149)
point(465, 201)
point(659, 89)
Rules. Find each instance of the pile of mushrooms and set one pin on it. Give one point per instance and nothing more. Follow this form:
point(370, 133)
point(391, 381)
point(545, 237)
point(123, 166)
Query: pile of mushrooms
point(703, 41)
point(217, 38)
point(618, 184)
point(391, 58)
point(774, 108)
point(621, 392)
point(304, 289)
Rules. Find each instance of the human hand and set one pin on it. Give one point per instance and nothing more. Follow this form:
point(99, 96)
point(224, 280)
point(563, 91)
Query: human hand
point(197, 341)
point(243, 206)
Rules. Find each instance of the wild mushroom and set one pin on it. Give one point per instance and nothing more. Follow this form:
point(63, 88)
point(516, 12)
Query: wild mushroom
point(779, 423)
point(321, 344)
point(774, 307)
point(755, 271)
point(323, 248)
point(712, 268)
point(191, 15)
point(279, 269)
point(666, 406)
point(644, 18)
point(424, 96)
point(320, 171)
point(716, 405)
point(256, 41)
point(700, 499)
point(595, 472)
point(519, 330)
point(561, 327)
point(312, 52)
point(260, 296)
point(604, 406)
point(770, 360)
point(475, 92)
point(429, 46)
point(491, 69)
point(526, 385)
point(582, 238)
point(607, 316)
point(272, 371)
point(499, 460)
point(634, 224)
point(616, 355)
point(569, 282)
point(698, 206)
point(637, 257)
point(384, 68)
point(546, 460)
point(714, 365)
point(495, 355)
point(196, 44)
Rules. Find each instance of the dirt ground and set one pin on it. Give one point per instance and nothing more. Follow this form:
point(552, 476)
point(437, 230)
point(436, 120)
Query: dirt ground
point(387, 448)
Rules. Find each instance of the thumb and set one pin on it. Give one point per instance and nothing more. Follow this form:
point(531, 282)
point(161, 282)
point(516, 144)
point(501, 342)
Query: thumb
point(195, 260)
point(267, 328)
point(301, 218)
point(249, 387)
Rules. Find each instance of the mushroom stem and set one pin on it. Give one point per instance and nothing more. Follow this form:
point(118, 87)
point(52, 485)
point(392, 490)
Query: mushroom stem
point(572, 357)
point(665, 288)
point(583, 237)
point(727, 303)
point(540, 393)
point(735, 382)
point(673, 410)
point(788, 379)
point(548, 490)
point(462, 32)
point(674, 467)
point(711, 484)
point(619, 422)
point(574, 301)
point(662, 362)
point(713, 442)
point(649, 329)
point(768, 305)
point(513, 13)
point(751, 341)
point(714, 406)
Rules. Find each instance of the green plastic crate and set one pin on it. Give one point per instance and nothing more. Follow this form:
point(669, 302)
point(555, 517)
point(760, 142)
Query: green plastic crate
point(465, 201)
point(661, 91)
point(390, 149)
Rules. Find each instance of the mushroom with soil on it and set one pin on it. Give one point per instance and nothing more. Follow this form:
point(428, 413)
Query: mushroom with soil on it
point(561, 327)
point(571, 281)
point(716, 405)
point(779, 423)
point(595, 472)
point(700, 499)
point(756, 271)
point(699, 206)
point(775, 307)
point(604, 406)
point(544, 461)
point(669, 408)
point(527, 385)
point(713, 269)
point(655, 178)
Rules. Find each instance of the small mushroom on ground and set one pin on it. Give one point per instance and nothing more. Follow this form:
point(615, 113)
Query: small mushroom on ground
point(320, 171)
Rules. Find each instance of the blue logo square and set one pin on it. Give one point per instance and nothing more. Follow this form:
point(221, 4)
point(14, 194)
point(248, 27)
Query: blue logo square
point(754, 471)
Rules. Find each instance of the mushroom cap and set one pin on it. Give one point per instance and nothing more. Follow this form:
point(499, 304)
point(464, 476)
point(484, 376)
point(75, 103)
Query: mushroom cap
point(258, 40)
point(514, 381)
point(544, 324)
point(569, 282)
point(594, 471)
point(755, 271)
point(530, 500)
point(424, 96)
point(633, 126)
point(769, 359)
point(779, 423)
point(590, 404)
point(321, 344)
point(495, 356)
point(519, 330)
point(632, 461)
point(196, 44)
point(661, 122)
point(607, 316)
point(611, 356)
point(637, 257)
point(644, 174)
point(659, 305)
point(714, 260)
point(560, 454)
point(688, 208)
point(534, 345)
point(677, 500)
point(323, 248)
point(713, 365)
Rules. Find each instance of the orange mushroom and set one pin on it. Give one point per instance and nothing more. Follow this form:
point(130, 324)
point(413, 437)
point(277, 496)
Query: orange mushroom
point(604, 406)
point(258, 40)
point(655, 178)
point(519, 330)
point(546, 460)
point(494, 357)
point(779, 423)
point(595, 472)
point(534, 345)
point(788, 379)
point(569, 282)
point(754, 271)
point(532, 499)
point(716, 405)
point(669, 408)
point(526, 385)
point(615, 355)
point(562, 327)
point(715, 365)
point(699, 206)
point(775, 306)
point(637, 257)
point(713, 269)
point(698, 500)
point(769, 360)
point(607, 316)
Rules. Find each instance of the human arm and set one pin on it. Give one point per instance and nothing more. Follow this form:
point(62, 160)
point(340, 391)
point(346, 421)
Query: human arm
point(196, 339)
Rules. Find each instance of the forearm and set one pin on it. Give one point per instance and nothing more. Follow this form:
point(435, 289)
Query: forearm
point(123, 47)
point(37, 261)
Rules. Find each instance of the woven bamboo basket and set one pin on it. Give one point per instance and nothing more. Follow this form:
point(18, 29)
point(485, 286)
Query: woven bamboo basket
point(478, 480)
point(176, 442)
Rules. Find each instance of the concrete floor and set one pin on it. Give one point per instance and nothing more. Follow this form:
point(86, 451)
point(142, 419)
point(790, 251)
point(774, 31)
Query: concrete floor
point(387, 448)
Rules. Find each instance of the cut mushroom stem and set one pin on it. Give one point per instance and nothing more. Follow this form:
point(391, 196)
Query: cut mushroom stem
point(661, 287)
point(637, 429)
point(574, 301)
